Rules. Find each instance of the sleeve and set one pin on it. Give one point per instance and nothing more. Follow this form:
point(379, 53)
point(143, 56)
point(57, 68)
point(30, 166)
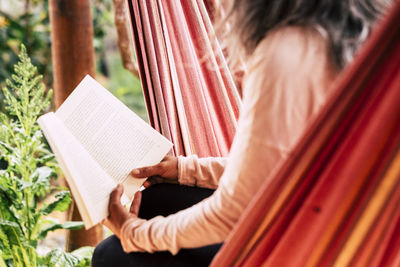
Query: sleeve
point(280, 95)
point(201, 172)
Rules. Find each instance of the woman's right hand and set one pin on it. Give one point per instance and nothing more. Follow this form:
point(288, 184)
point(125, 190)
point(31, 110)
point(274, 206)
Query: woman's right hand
point(164, 172)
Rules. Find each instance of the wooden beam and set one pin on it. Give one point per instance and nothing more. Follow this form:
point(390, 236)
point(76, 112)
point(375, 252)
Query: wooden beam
point(73, 58)
point(72, 45)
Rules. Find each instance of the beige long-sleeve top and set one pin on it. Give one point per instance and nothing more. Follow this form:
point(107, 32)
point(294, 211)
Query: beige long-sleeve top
point(287, 81)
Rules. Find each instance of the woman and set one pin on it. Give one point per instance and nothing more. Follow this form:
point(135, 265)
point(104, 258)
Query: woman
point(295, 50)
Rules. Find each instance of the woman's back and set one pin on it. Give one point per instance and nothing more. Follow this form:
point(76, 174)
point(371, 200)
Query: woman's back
point(288, 80)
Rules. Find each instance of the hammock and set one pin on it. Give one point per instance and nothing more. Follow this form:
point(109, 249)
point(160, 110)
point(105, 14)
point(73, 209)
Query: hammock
point(335, 201)
point(189, 92)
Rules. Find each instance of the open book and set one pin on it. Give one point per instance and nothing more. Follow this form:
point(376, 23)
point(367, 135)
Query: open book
point(97, 141)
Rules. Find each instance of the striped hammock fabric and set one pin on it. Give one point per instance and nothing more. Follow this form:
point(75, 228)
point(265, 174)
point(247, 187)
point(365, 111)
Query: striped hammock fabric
point(189, 92)
point(336, 200)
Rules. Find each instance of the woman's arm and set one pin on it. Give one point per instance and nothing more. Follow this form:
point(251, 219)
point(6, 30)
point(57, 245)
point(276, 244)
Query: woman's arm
point(288, 80)
point(201, 172)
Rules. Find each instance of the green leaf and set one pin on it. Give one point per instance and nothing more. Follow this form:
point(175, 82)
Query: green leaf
point(8, 223)
point(46, 158)
point(2, 262)
point(63, 199)
point(7, 147)
point(43, 172)
point(41, 180)
point(58, 257)
point(55, 225)
point(4, 245)
point(85, 255)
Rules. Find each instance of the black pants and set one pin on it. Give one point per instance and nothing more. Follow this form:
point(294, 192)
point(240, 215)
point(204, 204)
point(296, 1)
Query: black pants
point(160, 199)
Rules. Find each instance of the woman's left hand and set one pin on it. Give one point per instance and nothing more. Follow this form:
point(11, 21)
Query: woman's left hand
point(118, 214)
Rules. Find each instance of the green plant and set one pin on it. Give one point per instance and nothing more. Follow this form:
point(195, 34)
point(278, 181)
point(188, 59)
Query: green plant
point(25, 179)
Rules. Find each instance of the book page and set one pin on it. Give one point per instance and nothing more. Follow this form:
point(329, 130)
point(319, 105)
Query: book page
point(90, 185)
point(112, 134)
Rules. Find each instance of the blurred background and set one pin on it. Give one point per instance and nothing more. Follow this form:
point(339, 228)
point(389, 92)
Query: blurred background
point(27, 22)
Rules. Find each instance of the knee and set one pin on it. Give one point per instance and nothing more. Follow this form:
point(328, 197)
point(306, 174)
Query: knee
point(99, 255)
point(107, 252)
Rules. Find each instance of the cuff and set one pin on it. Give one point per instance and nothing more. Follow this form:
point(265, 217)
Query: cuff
point(187, 170)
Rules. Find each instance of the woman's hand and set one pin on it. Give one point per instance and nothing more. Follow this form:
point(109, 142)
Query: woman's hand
point(165, 171)
point(118, 214)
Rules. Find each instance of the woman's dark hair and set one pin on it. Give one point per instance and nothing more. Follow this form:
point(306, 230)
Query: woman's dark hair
point(346, 23)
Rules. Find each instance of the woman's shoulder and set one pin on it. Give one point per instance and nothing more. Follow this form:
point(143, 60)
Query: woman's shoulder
point(288, 48)
point(295, 58)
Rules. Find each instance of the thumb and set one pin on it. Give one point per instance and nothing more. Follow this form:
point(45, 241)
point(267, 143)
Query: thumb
point(135, 206)
point(117, 193)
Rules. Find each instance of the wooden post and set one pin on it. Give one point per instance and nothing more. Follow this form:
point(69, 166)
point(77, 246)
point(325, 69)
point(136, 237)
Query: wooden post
point(73, 58)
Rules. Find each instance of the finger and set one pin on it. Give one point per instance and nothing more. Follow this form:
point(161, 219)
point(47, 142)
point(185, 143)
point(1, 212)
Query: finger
point(106, 222)
point(117, 193)
point(147, 184)
point(115, 198)
point(146, 171)
point(135, 206)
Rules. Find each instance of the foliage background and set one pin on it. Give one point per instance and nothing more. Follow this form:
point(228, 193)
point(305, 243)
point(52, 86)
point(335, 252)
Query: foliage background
point(26, 178)
point(27, 21)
